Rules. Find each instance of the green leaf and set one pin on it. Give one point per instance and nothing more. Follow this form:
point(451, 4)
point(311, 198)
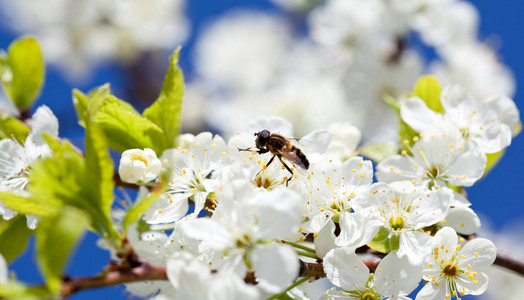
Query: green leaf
point(14, 290)
point(58, 178)
point(14, 236)
point(493, 160)
point(407, 134)
point(25, 204)
point(381, 242)
point(166, 112)
point(126, 129)
point(99, 166)
point(11, 126)
point(142, 204)
point(55, 239)
point(429, 89)
point(80, 102)
point(379, 151)
point(22, 71)
point(66, 177)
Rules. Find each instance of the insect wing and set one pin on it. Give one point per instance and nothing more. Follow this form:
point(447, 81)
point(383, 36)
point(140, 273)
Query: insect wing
point(292, 157)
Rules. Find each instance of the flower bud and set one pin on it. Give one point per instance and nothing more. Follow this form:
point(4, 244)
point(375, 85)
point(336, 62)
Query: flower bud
point(139, 165)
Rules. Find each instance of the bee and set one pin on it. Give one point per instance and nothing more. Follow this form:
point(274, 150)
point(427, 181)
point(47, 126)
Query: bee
point(280, 147)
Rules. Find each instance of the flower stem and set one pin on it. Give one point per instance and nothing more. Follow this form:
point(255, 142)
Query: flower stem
point(297, 283)
point(299, 246)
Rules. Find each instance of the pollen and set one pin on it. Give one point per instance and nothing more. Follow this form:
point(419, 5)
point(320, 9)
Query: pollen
point(315, 235)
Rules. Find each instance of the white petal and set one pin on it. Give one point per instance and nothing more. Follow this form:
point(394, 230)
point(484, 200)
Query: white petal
point(317, 141)
point(357, 229)
point(269, 258)
point(396, 276)
point(416, 114)
point(446, 236)
point(4, 273)
point(188, 276)
point(495, 137)
point(32, 221)
point(397, 167)
point(279, 213)
point(453, 95)
point(480, 254)
point(345, 269)
point(44, 121)
point(415, 245)
point(360, 170)
point(274, 124)
point(228, 286)
point(431, 292)
point(431, 207)
point(215, 235)
point(474, 286)
point(467, 168)
point(166, 210)
point(463, 219)
point(345, 134)
point(325, 241)
point(505, 109)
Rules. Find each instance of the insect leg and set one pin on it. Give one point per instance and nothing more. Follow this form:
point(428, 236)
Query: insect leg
point(287, 168)
point(270, 161)
point(257, 150)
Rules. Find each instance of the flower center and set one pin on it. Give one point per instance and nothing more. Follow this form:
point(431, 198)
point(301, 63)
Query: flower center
point(396, 223)
point(450, 270)
point(368, 296)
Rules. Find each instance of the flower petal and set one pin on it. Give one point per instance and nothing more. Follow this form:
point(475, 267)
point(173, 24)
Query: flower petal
point(345, 269)
point(268, 258)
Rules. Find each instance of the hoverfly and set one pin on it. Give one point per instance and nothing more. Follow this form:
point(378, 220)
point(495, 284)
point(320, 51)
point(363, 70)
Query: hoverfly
point(280, 147)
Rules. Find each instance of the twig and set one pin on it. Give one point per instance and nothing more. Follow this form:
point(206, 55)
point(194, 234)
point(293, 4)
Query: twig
point(143, 272)
point(510, 262)
point(146, 272)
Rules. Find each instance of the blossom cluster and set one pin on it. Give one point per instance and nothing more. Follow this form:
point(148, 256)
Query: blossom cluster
point(234, 208)
point(251, 63)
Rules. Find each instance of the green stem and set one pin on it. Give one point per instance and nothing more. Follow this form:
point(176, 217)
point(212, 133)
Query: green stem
point(297, 283)
point(307, 254)
point(300, 246)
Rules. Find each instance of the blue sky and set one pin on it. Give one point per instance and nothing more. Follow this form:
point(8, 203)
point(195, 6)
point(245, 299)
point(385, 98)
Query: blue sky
point(497, 197)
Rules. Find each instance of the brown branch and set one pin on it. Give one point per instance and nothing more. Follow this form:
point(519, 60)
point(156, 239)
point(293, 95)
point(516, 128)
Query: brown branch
point(142, 271)
point(510, 262)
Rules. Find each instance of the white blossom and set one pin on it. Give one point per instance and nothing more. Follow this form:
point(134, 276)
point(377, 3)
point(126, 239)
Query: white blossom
point(394, 278)
point(193, 170)
point(77, 35)
point(435, 160)
point(486, 125)
point(139, 166)
point(16, 158)
point(454, 269)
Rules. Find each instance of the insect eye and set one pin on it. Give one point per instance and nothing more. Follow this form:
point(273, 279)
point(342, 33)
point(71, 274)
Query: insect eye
point(264, 134)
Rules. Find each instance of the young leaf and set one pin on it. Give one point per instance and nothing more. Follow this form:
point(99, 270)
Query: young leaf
point(167, 110)
point(100, 174)
point(142, 204)
point(99, 165)
point(25, 204)
point(429, 89)
point(66, 177)
point(55, 239)
point(379, 151)
point(14, 235)
point(22, 71)
point(14, 290)
point(10, 125)
point(126, 129)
